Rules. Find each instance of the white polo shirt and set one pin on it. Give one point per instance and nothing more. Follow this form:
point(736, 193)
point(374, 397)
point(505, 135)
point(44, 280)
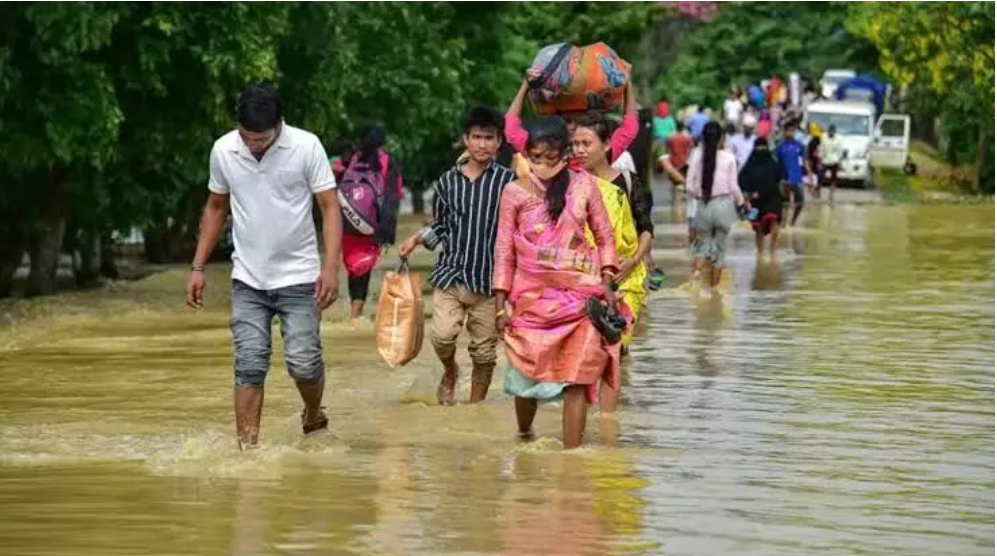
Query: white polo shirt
point(272, 227)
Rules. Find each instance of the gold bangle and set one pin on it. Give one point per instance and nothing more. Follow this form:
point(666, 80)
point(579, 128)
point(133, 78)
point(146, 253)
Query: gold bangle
point(501, 313)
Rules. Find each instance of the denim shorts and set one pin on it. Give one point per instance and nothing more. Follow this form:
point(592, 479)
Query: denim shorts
point(691, 211)
point(714, 222)
point(798, 195)
point(252, 314)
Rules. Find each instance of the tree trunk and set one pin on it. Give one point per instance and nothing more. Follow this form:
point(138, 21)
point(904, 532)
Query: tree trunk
point(175, 248)
point(89, 247)
point(155, 244)
point(46, 243)
point(108, 268)
point(418, 206)
point(164, 243)
point(11, 253)
point(985, 157)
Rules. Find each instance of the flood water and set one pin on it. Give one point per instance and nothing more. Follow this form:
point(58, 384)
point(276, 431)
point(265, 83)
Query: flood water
point(840, 401)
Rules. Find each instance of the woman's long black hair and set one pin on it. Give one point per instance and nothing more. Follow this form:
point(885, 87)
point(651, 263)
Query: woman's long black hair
point(711, 142)
point(552, 132)
point(370, 142)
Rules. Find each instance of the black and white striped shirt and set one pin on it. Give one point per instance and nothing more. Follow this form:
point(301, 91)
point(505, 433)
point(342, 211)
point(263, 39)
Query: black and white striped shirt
point(465, 222)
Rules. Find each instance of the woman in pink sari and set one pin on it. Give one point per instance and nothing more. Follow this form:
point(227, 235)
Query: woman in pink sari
point(546, 269)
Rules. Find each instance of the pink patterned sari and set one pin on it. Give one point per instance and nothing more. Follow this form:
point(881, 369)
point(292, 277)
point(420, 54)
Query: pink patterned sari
point(550, 271)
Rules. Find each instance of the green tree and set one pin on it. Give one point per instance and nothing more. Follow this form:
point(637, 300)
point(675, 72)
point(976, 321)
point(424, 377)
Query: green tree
point(60, 120)
point(350, 64)
point(177, 70)
point(944, 52)
point(108, 111)
point(750, 41)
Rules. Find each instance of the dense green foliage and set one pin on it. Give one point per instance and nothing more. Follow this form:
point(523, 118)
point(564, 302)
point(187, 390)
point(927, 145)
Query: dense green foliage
point(108, 110)
point(944, 54)
point(751, 41)
point(941, 55)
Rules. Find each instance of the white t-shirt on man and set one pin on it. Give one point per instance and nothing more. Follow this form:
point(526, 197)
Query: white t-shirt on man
point(271, 200)
point(831, 149)
point(732, 111)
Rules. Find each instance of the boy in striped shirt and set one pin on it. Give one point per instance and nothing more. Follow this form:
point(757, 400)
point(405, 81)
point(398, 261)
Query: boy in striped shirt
point(465, 218)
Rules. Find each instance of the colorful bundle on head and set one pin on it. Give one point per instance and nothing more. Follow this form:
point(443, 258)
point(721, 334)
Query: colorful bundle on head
point(567, 78)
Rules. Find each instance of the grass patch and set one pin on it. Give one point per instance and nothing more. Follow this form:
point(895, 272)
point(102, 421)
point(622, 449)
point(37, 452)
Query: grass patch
point(899, 189)
point(936, 182)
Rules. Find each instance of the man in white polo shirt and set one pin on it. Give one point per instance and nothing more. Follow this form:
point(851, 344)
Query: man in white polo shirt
point(267, 172)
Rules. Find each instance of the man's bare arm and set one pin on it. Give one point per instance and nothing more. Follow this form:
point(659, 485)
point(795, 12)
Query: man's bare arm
point(332, 227)
point(212, 222)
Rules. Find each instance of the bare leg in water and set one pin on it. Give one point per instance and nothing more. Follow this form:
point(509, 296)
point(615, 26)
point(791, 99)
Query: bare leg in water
point(573, 417)
point(248, 410)
point(773, 240)
point(358, 294)
point(760, 242)
point(834, 180)
point(609, 399)
point(797, 204)
point(356, 308)
point(481, 379)
point(526, 410)
point(609, 431)
point(797, 209)
point(448, 383)
point(311, 395)
point(716, 271)
point(697, 271)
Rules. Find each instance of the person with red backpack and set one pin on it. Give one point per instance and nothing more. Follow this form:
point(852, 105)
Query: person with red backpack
point(342, 152)
point(369, 195)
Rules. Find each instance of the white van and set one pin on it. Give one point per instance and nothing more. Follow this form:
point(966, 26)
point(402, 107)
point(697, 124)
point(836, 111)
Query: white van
point(866, 140)
point(831, 79)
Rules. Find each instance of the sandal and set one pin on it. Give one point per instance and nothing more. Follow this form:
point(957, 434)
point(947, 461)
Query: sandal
point(321, 424)
point(656, 280)
point(609, 324)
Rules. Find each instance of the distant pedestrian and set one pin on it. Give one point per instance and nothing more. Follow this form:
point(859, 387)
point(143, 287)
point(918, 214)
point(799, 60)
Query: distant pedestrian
point(791, 154)
point(698, 122)
point(832, 151)
point(761, 181)
point(713, 183)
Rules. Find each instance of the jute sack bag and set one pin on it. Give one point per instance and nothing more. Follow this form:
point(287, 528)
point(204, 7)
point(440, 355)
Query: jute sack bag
point(398, 328)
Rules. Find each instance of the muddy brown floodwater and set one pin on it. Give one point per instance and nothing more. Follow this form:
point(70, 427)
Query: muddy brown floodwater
point(840, 401)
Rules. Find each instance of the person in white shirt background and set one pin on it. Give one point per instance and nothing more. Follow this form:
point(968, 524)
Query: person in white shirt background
point(743, 144)
point(832, 150)
point(733, 108)
point(268, 172)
